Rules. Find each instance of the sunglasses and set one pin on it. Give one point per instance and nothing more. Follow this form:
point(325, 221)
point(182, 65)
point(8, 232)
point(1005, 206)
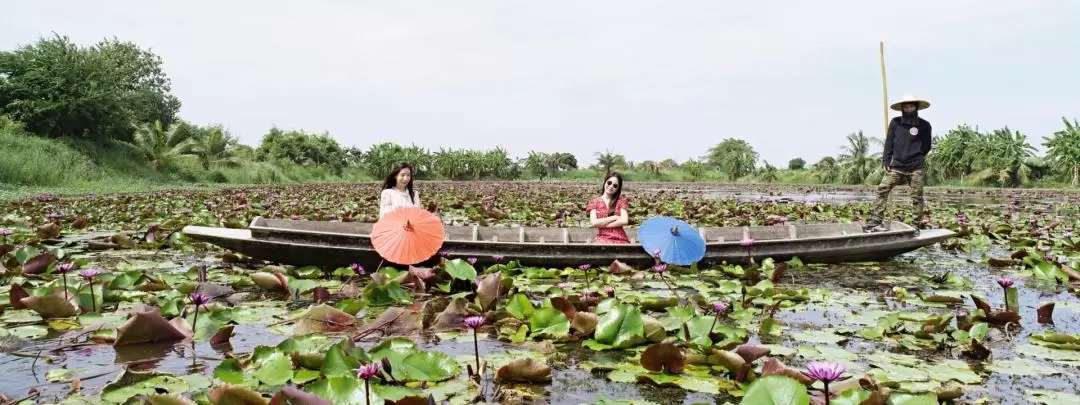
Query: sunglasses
point(612, 183)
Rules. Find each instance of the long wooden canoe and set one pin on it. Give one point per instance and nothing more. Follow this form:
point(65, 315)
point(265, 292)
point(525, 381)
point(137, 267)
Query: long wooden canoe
point(338, 244)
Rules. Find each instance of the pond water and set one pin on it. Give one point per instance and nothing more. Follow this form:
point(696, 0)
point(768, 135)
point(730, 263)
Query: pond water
point(831, 315)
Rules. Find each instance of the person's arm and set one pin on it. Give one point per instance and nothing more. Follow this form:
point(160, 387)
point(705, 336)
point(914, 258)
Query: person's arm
point(623, 218)
point(928, 140)
point(385, 203)
point(593, 220)
point(886, 156)
point(600, 222)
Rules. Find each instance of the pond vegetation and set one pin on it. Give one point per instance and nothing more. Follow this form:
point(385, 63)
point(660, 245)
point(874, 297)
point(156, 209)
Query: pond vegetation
point(103, 300)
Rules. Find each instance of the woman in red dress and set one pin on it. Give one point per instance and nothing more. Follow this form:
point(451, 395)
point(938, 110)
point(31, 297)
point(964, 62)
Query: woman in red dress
point(608, 213)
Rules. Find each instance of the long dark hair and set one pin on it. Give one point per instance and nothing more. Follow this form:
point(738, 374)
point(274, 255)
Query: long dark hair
point(618, 191)
point(391, 180)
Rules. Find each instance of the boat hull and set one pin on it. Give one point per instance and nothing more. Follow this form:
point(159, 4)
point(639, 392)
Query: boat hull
point(339, 245)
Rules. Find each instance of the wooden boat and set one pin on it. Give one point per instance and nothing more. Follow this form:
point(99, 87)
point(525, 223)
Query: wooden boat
point(338, 244)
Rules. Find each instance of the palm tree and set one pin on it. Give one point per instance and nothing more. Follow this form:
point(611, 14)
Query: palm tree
point(608, 160)
point(160, 146)
point(857, 163)
point(213, 147)
point(826, 170)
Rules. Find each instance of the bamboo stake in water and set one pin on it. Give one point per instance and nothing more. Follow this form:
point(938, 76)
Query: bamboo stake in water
point(884, 89)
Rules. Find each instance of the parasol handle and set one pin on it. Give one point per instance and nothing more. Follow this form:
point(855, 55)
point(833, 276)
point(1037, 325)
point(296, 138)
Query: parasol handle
point(675, 230)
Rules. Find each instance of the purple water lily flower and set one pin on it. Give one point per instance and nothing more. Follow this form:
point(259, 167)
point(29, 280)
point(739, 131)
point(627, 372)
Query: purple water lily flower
point(1005, 282)
point(89, 274)
point(471, 260)
point(199, 300)
point(367, 371)
point(498, 258)
point(609, 291)
point(563, 286)
point(584, 267)
point(5, 232)
point(660, 268)
point(474, 322)
point(358, 269)
point(720, 306)
point(824, 371)
point(747, 243)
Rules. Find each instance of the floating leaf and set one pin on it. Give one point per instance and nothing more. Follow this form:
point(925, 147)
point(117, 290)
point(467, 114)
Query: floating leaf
point(663, 357)
point(520, 307)
point(132, 383)
point(148, 327)
point(323, 319)
point(232, 394)
point(525, 370)
point(460, 270)
point(776, 390)
point(487, 290)
point(51, 306)
point(293, 396)
point(549, 322)
point(621, 327)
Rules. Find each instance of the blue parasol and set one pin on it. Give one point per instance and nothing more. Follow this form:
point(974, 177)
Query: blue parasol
point(678, 242)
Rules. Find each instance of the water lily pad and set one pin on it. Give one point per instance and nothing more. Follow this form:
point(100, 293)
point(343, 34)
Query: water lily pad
point(818, 336)
point(776, 390)
point(30, 332)
point(524, 370)
point(549, 322)
point(1051, 397)
point(460, 270)
point(1021, 367)
point(621, 327)
point(275, 369)
point(130, 383)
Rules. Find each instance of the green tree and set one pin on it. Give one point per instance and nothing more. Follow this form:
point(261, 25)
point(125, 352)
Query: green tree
point(735, 157)
point(59, 89)
point(796, 164)
point(161, 145)
point(1063, 151)
point(826, 170)
point(953, 155)
point(857, 161)
point(214, 146)
point(609, 160)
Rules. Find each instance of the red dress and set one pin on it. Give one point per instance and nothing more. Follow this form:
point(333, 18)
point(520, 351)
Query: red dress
point(608, 235)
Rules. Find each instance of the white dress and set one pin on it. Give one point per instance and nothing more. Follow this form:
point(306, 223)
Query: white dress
point(392, 199)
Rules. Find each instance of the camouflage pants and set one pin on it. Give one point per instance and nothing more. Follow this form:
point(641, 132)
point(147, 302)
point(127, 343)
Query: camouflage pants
point(914, 179)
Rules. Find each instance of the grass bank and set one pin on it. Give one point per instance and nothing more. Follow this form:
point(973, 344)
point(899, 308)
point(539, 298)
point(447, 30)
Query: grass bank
point(33, 165)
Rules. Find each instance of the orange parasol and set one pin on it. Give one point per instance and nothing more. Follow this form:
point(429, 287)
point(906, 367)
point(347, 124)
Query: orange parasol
point(408, 235)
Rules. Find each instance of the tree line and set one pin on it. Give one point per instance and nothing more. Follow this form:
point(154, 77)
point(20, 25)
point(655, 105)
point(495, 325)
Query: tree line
point(115, 91)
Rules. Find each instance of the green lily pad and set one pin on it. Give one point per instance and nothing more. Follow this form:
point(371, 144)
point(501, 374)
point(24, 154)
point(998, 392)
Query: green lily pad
point(460, 270)
point(776, 390)
point(621, 327)
point(1051, 397)
point(549, 322)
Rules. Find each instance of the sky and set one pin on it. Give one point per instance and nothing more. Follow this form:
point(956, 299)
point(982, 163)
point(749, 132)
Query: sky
point(645, 79)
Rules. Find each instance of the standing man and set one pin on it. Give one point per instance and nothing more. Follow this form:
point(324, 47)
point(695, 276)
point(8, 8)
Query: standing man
point(906, 144)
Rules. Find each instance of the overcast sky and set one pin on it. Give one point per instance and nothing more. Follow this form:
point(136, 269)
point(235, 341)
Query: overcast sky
point(648, 79)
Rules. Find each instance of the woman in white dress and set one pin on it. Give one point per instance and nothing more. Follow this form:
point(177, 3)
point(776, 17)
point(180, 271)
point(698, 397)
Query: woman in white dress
point(398, 190)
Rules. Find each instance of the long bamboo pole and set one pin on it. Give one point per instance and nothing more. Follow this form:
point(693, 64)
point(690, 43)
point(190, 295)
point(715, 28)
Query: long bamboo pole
point(884, 88)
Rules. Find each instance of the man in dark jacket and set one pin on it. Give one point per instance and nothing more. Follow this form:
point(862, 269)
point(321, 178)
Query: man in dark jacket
point(906, 144)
